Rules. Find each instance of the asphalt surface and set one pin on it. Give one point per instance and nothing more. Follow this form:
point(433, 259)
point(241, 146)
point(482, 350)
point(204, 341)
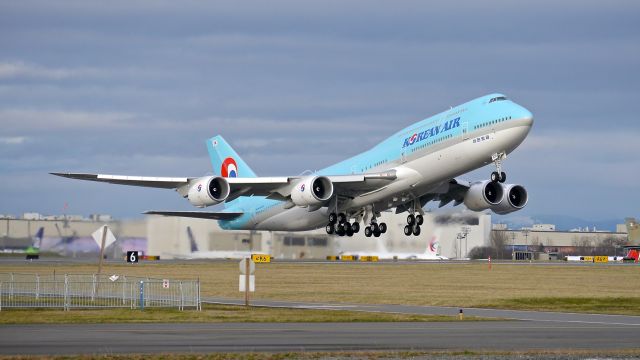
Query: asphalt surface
point(556, 317)
point(232, 337)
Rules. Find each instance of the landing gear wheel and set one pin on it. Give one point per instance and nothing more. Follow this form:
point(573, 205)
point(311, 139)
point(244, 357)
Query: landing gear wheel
point(407, 230)
point(495, 176)
point(349, 232)
point(416, 230)
point(340, 231)
point(503, 177)
point(383, 228)
point(356, 227)
point(375, 228)
point(411, 219)
point(333, 218)
point(342, 218)
point(330, 229)
point(347, 227)
point(419, 219)
point(376, 233)
point(367, 231)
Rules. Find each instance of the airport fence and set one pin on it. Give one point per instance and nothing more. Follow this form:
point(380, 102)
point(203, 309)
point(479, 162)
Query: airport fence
point(86, 291)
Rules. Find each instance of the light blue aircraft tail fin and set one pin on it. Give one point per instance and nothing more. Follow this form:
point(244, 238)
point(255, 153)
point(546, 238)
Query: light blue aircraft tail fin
point(225, 161)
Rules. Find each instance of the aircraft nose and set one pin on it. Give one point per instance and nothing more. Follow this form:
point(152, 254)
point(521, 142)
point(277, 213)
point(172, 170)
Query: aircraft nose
point(525, 116)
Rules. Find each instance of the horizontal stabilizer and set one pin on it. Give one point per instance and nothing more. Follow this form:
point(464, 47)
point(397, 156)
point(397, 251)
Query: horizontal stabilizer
point(198, 214)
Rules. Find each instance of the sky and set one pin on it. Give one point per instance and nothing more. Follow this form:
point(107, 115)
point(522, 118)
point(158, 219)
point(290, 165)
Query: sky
point(136, 87)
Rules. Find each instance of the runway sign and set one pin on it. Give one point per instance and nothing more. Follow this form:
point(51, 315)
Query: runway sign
point(252, 283)
point(132, 256)
point(348, 258)
point(261, 258)
point(601, 259)
point(243, 266)
point(369, 258)
point(333, 258)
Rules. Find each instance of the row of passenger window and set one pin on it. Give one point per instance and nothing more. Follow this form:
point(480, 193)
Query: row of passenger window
point(374, 165)
point(431, 143)
point(480, 126)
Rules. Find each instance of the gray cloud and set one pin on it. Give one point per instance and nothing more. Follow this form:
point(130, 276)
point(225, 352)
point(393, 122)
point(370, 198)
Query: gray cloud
point(137, 86)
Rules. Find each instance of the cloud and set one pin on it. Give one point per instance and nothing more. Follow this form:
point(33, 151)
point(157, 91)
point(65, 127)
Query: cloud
point(137, 87)
point(13, 140)
point(12, 70)
point(59, 120)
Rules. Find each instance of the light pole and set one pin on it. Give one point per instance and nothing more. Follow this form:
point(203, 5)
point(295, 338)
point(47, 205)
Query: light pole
point(465, 232)
point(525, 232)
point(459, 247)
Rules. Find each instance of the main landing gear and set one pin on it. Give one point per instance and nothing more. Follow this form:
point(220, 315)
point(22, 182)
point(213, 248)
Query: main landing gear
point(375, 229)
point(339, 225)
point(498, 175)
point(413, 224)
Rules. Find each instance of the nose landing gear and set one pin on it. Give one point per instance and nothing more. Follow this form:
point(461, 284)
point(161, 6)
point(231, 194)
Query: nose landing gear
point(498, 175)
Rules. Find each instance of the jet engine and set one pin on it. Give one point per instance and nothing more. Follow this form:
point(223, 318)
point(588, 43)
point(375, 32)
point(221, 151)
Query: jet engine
point(312, 191)
point(208, 190)
point(515, 199)
point(483, 195)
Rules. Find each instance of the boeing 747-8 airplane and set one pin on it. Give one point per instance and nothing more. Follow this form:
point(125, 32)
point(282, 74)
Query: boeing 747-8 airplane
point(418, 164)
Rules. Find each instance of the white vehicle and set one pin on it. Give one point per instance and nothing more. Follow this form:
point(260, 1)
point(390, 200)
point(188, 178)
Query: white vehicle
point(416, 165)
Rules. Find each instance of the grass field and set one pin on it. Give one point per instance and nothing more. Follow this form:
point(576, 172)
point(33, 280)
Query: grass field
point(209, 314)
point(598, 288)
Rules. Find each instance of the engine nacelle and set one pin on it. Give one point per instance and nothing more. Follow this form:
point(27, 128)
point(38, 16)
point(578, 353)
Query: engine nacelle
point(483, 195)
point(208, 190)
point(515, 199)
point(312, 190)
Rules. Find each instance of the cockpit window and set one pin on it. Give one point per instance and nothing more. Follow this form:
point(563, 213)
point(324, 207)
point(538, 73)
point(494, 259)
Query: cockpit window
point(499, 98)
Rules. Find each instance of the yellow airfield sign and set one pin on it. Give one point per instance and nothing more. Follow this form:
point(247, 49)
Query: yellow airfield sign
point(261, 258)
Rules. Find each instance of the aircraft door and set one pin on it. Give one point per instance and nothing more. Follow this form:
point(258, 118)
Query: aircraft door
point(465, 131)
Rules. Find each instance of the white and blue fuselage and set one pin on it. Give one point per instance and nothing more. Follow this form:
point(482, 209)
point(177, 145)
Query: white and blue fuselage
point(425, 156)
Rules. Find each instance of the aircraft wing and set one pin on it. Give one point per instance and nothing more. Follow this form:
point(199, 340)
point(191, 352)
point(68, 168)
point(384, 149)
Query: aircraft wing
point(198, 214)
point(452, 190)
point(277, 188)
point(456, 190)
point(349, 185)
point(146, 181)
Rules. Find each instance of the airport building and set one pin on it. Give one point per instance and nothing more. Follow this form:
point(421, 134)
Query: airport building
point(456, 233)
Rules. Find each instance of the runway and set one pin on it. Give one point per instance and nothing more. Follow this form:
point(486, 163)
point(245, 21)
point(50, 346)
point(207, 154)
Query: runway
point(276, 337)
point(546, 316)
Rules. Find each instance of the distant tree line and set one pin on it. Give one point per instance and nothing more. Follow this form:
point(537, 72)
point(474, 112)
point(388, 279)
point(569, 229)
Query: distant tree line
point(501, 248)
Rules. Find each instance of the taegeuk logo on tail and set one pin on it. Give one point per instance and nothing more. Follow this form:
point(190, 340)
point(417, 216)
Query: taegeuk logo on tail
point(229, 168)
